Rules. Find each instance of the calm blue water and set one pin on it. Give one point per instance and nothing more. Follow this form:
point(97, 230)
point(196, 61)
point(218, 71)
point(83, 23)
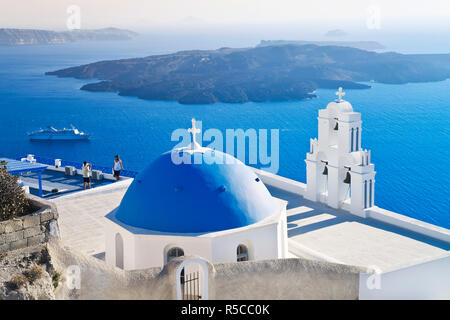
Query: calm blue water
point(405, 126)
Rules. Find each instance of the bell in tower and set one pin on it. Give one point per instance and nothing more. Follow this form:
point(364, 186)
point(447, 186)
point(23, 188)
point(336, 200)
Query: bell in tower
point(336, 127)
point(348, 178)
point(325, 171)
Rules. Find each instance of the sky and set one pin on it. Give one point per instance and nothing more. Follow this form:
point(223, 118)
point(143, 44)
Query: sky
point(263, 19)
point(144, 14)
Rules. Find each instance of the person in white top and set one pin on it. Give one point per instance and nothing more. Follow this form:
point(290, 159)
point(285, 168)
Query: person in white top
point(86, 171)
point(117, 167)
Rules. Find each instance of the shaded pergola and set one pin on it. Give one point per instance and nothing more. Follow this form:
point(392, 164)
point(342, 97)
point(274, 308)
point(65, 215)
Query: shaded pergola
point(15, 167)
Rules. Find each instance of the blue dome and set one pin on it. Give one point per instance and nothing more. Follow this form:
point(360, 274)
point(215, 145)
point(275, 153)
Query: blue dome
point(201, 196)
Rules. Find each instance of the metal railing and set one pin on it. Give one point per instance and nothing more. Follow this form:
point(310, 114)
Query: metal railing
point(78, 165)
point(191, 286)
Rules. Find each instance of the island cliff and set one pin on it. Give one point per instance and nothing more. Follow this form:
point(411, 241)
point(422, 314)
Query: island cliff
point(13, 37)
point(264, 73)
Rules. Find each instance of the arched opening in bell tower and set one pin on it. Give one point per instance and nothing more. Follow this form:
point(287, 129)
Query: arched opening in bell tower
point(333, 132)
point(322, 174)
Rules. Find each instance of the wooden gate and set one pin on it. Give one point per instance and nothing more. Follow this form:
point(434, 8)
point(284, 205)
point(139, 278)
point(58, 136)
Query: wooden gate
point(190, 286)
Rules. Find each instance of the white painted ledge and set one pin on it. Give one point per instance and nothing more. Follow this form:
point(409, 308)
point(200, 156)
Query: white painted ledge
point(281, 182)
point(408, 223)
point(374, 213)
point(123, 184)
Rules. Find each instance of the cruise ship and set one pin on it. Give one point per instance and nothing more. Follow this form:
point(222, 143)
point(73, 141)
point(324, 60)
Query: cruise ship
point(53, 134)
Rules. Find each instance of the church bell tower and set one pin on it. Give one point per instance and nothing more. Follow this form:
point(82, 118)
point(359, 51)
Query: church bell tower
point(338, 172)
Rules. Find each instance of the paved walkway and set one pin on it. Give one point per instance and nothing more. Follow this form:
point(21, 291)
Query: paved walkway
point(81, 216)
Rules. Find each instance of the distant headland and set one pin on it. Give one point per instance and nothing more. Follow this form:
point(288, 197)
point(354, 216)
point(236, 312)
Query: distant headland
point(282, 72)
point(14, 37)
point(363, 45)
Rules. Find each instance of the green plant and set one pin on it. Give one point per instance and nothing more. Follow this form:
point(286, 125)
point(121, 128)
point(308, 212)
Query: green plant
point(56, 278)
point(12, 197)
point(18, 281)
point(34, 273)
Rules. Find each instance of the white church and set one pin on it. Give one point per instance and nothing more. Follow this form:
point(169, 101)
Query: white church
point(215, 207)
point(226, 212)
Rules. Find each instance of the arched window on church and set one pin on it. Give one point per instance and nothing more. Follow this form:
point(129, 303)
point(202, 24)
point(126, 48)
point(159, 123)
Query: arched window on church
point(173, 253)
point(351, 146)
point(365, 194)
point(242, 253)
point(357, 139)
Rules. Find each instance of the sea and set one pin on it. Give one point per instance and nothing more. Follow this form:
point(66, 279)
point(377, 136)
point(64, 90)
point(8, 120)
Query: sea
point(407, 126)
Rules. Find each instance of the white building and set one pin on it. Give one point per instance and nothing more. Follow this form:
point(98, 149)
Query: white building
point(210, 205)
point(339, 173)
point(223, 212)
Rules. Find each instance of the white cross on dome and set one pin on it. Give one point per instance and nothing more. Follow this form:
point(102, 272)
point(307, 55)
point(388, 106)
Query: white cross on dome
point(194, 130)
point(340, 94)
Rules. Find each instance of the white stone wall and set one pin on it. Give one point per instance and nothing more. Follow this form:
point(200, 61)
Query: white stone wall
point(286, 279)
point(151, 251)
point(262, 243)
point(427, 280)
point(265, 240)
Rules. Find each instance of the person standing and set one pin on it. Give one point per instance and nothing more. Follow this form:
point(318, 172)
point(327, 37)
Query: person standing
point(86, 172)
point(117, 167)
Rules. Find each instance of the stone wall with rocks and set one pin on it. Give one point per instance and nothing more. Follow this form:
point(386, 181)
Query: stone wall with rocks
point(32, 229)
point(259, 280)
point(286, 279)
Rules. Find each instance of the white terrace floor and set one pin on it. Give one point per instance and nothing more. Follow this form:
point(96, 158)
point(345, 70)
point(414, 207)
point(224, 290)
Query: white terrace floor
point(345, 238)
point(334, 234)
point(81, 216)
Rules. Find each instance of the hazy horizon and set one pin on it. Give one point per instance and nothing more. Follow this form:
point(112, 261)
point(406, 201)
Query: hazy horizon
point(245, 22)
point(144, 15)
